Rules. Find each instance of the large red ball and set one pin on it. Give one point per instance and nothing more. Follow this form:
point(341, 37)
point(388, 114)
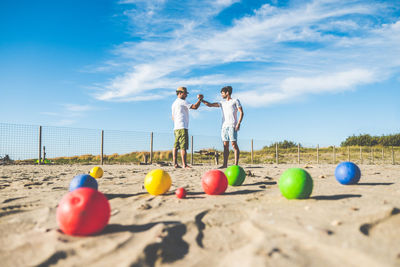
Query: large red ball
point(84, 211)
point(214, 182)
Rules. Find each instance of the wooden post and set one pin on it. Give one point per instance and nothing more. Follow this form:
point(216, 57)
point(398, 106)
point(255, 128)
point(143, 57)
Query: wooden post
point(317, 154)
point(361, 158)
point(151, 148)
point(102, 148)
point(372, 155)
point(298, 153)
point(348, 153)
point(383, 155)
point(276, 153)
point(393, 156)
point(40, 146)
point(252, 151)
point(191, 145)
point(334, 155)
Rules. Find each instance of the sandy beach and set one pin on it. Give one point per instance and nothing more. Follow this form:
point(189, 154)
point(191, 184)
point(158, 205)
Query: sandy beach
point(249, 225)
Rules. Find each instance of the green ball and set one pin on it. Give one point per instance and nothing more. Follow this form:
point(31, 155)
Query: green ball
point(235, 175)
point(296, 183)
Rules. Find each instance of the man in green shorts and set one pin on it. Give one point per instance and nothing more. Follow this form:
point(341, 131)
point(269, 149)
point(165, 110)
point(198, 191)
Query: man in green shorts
point(180, 116)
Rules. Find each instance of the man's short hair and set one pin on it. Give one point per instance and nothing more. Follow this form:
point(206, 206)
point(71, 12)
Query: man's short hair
point(227, 89)
point(181, 90)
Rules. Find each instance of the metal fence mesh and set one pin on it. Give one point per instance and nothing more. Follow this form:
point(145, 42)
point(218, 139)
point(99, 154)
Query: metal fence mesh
point(19, 141)
point(68, 142)
point(75, 145)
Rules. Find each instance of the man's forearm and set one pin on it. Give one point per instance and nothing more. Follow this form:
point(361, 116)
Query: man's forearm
point(196, 106)
point(240, 116)
point(208, 104)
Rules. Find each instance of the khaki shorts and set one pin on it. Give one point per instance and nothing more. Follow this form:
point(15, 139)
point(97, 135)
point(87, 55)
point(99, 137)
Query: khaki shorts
point(181, 139)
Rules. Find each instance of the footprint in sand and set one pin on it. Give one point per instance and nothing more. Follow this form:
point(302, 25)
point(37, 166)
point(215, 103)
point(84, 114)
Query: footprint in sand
point(386, 223)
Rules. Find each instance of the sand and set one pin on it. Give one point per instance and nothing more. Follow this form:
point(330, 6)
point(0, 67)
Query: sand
point(249, 225)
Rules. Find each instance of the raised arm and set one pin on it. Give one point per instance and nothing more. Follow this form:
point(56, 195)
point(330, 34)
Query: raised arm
point(196, 106)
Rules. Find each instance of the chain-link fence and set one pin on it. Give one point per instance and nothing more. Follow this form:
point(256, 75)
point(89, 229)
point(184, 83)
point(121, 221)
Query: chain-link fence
point(57, 145)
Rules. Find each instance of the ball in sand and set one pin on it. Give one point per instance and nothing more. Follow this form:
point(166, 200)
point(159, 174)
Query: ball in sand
point(180, 192)
point(347, 173)
point(96, 172)
point(83, 180)
point(296, 183)
point(157, 182)
point(235, 175)
point(84, 211)
point(214, 182)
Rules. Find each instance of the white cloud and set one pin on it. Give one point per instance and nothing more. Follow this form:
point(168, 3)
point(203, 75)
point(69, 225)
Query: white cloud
point(327, 83)
point(293, 87)
point(67, 114)
point(65, 122)
point(77, 108)
point(316, 47)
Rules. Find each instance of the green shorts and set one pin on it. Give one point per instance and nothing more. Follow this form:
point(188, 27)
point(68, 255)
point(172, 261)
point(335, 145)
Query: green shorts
point(181, 139)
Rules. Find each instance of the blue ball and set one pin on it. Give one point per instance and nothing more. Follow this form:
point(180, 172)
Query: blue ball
point(347, 173)
point(83, 180)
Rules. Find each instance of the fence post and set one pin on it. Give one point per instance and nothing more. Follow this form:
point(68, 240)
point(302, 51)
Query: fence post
point(102, 148)
point(372, 155)
point(276, 153)
point(393, 156)
point(361, 158)
point(317, 154)
point(191, 159)
point(40, 146)
point(334, 155)
point(298, 153)
point(251, 151)
point(383, 155)
point(151, 148)
point(348, 153)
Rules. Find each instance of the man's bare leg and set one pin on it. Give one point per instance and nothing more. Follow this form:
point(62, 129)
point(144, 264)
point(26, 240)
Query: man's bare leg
point(237, 152)
point(226, 155)
point(175, 157)
point(183, 154)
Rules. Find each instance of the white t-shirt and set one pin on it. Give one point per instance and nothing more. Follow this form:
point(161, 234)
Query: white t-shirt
point(229, 111)
point(180, 112)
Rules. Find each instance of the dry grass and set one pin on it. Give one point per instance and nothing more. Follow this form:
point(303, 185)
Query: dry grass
point(368, 155)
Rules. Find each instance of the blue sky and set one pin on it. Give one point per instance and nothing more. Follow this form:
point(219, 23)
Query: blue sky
point(313, 72)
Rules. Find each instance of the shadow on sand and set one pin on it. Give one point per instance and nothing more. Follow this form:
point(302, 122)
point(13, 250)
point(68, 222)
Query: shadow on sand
point(373, 184)
point(111, 196)
point(336, 197)
point(260, 183)
point(171, 248)
point(242, 192)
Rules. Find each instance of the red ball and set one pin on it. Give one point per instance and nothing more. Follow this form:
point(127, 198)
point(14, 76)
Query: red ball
point(214, 182)
point(180, 192)
point(84, 211)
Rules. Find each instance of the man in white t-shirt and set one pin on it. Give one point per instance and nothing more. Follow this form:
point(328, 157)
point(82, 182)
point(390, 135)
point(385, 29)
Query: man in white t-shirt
point(230, 123)
point(180, 116)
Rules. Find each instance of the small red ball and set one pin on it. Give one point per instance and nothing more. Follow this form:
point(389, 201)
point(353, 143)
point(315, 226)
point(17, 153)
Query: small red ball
point(84, 211)
point(214, 182)
point(180, 192)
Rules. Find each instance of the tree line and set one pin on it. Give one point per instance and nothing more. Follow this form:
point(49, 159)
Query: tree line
point(368, 140)
point(360, 140)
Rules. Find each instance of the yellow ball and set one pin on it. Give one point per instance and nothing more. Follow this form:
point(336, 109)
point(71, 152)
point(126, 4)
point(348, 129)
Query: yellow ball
point(96, 172)
point(157, 182)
